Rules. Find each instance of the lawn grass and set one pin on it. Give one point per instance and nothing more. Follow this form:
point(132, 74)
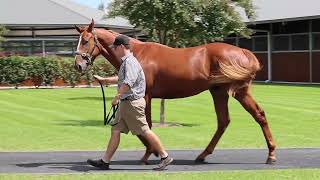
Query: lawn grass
point(306, 174)
point(71, 119)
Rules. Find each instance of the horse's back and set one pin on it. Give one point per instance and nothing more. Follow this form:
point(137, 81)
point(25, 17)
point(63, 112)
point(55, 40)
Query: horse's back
point(195, 68)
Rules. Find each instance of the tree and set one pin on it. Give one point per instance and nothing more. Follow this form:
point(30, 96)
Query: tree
point(183, 23)
point(101, 6)
point(3, 31)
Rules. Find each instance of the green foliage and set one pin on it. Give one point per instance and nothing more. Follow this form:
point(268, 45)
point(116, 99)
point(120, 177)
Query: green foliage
point(12, 70)
point(33, 65)
point(3, 31)
point(224, 21)
point(45, 70)
point(185, 22)
point(49, 71)
point(247, 6)
point(101, 68)
point(68, 72)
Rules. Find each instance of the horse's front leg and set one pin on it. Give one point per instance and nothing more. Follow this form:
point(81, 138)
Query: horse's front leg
point(149, 148)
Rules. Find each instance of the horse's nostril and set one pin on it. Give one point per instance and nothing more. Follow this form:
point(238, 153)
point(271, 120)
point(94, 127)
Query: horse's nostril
point(79, 68)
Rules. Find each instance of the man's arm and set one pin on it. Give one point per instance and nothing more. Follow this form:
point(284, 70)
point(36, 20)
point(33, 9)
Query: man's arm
point(123, 89)
point(107, 80)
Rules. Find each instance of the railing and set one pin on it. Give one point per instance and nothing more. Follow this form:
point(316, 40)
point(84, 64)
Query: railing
point(42, 47)
point(298, 42)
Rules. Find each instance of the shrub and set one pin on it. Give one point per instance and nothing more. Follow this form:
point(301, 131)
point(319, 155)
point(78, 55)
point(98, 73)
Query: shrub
point(45, 70)
point(12, 70)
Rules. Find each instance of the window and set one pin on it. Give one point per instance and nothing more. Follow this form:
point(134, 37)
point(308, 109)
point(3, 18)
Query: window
point(230, 41)
point(22, 47)
point(261, 43)
point(300, 42)
point(316, 25)
point(280, 43)
point(35, 47)
point(316, 41)
point(245, 43)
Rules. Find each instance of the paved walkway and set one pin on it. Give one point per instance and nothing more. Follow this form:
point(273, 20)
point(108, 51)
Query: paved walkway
point(227, 159)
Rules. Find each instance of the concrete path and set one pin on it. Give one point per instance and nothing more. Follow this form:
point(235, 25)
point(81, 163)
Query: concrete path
point(127, 161)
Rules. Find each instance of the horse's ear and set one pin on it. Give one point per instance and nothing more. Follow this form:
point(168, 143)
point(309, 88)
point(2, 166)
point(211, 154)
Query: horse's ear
point(78, 29)
point(91, 26)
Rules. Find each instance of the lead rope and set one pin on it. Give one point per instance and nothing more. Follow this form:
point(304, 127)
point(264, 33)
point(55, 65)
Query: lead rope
point(106, 118)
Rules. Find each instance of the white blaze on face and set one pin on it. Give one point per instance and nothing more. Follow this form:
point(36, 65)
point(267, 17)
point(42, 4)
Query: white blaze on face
point(79, 43)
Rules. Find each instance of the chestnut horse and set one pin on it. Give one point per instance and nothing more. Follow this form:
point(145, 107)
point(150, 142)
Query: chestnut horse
point(223, 69)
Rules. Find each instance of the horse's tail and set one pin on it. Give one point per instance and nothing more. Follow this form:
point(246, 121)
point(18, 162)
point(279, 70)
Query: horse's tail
point(238, 70)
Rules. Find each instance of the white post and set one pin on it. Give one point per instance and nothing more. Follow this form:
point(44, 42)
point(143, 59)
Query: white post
point(162, 108)
point(43, 49)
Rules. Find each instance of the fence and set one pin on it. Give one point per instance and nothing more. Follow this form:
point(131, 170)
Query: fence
point(42, 47)
point(292, 57)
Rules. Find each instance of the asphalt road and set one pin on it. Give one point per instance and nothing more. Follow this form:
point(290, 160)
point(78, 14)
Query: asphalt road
point(128, 161)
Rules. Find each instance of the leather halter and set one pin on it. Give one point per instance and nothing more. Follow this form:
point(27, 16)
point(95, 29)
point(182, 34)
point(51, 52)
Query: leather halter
point(88, 55)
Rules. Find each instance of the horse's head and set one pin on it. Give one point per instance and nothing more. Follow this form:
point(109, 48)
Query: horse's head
point(88, 47)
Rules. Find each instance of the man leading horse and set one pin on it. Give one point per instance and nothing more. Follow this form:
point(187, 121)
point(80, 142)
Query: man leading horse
point(225, 70)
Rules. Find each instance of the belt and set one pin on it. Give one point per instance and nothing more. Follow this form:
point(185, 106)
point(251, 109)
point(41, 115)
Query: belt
point(128, 99)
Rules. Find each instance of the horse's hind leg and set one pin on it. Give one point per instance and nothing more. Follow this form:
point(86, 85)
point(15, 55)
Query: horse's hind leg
point(220, 97)
point(253, 108)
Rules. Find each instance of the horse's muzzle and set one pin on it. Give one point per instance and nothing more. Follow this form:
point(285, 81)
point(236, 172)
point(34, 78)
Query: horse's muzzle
point(80, 65)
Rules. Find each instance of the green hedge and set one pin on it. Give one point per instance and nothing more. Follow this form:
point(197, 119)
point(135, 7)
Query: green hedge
point(45, 70)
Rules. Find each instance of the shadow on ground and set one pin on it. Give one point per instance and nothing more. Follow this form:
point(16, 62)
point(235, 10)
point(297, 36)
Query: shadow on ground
point(95, 123)
point(98, 123)
point(91, 98)
point(136, 165)
point(74, 166)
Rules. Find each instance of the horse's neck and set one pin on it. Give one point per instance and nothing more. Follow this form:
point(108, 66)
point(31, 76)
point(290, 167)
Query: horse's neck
point(106, 51)
point(106, 54)
point(105, 40)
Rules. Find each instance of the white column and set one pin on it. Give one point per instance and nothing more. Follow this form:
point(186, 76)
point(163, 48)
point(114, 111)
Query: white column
point(43, 49)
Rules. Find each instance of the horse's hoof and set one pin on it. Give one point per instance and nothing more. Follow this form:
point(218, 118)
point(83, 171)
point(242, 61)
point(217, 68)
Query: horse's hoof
point(144, 162)
point(271, 161)
point(199, 161)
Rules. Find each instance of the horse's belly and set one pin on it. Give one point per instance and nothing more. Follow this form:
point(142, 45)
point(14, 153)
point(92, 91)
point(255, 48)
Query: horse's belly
point(178, 89)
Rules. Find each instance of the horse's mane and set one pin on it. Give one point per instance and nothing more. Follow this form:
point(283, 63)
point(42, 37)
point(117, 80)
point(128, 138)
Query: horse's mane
point(114, 33)
point(131, 38)
point(138, 41)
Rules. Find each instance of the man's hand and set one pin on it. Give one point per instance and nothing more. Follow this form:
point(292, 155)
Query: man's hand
point(115, 100)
